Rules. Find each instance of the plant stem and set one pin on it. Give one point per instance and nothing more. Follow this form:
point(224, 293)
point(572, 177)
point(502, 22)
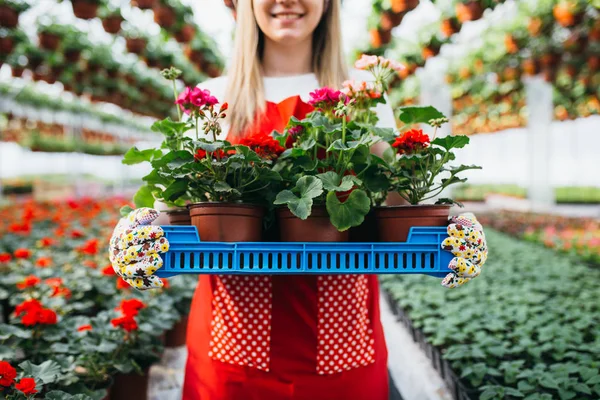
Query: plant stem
point(175, 94)
point(196, 128)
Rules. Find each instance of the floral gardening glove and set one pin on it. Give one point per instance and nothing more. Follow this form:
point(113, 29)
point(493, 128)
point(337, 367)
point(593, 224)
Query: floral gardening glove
point(134, 249)
point(467, 242)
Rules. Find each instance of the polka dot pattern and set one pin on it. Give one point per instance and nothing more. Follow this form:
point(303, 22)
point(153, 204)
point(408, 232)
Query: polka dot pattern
point(345, 338)
point(241, 323)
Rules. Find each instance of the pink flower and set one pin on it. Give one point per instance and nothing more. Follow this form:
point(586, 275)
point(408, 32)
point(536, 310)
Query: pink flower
point(193, 99)
point(325, 98)
point(366, 62)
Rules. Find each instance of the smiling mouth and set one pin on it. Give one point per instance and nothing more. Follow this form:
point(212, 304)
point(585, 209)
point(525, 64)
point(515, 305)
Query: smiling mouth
point(287, 16)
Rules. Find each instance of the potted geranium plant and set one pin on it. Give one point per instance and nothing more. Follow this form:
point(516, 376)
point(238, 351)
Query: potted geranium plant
point(225, 185)
point(10, 10)
point(86, 9)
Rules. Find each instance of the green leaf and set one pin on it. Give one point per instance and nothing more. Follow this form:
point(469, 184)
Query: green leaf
point(513, 392)
point(175, 190)
point(309, 187)
point(331, 181)
point(389, 155)
point(125, 210)
point(418, 115)
point(135, 156)
point(451, 142)
point(169, 127)
point(144, 197)
point(47, 372)
point(349, 213)
point(6, 331)
point(549, 382)
point(524, 386)
point(222, 187)
point(593, 380)
point(209, 147)
point(583, 388)
point(308, 144)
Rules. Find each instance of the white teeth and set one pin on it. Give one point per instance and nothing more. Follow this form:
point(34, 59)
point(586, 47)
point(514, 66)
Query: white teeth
point(288, 16)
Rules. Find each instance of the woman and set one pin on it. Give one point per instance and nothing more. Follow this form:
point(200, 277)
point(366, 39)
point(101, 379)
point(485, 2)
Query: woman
point(277, 337)
point(282, 337)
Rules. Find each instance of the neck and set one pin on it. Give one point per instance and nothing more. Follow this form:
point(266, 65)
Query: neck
point(285, 60)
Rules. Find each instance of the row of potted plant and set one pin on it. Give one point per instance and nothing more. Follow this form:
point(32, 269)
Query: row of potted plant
point(570, 235)
point(10, 10)
point(525, 331)
point(318, 176)
point(562, 194)
point(71, 326)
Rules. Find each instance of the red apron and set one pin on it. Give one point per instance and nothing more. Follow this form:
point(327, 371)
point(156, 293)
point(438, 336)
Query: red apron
point(285, 337)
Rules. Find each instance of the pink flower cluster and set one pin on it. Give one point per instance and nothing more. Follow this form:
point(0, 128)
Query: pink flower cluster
point(355, 89)
point(367, 62)
point(325, 98)
point(193, 99)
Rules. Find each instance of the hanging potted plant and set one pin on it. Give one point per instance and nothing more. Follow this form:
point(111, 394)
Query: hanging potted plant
point(184, 31)
point(143, 4)
point(224, 185)
point(569, 12)
point(50, 35)
point(86, 9)
point(111, 19)
point(10, 11)
point(404, 5)
point(9, 39)
point(135, 41)
point(164, 14)
point(450, 26)
point(468, 10)
point(74, 44)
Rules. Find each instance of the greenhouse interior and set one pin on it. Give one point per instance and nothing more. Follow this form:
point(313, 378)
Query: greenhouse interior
point(295, 199)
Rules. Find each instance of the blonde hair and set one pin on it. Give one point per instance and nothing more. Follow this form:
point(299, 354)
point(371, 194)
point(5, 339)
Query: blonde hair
point(245, 90)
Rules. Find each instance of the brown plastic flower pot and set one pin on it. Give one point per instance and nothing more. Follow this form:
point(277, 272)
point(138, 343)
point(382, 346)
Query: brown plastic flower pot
point(186, 34)
point(164, 15)
point(179, 216)
point(112, 24)
point(177, 335)
point(135, 45)
point(72, 56)
point(130, 386)
point(404, 5)
point(6, 45)
point(390, 20)
point(9, 18)
point(227, 222)
point(49, 41)
point(143, 4)
point(85, 9)
point(17, 72)
point(469, 11)
point(394, 222)
point(194, 56)
point(316, 228)
point(211, 70)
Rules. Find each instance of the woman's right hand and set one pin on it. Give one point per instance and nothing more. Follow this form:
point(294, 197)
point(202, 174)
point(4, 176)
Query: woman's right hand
point(134, 248)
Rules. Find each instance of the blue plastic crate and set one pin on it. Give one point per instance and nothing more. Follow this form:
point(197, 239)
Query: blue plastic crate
point(421, 254)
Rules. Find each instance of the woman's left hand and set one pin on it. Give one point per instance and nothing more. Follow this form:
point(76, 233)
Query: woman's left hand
point(467, 242)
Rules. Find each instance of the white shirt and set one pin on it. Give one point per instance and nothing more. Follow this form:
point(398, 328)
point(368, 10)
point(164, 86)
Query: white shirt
point(278, 89)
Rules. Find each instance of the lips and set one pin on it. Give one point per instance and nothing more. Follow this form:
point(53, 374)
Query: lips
point(286, 16)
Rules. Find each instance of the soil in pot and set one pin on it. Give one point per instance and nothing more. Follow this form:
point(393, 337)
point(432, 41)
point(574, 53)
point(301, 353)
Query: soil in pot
point(179, 216)
point(9, 18)
point(130, 386)
point(227, 222)
point(85, 9)
point(176, 336)
point(394, 222)
point(112, 24)
point(316, 228)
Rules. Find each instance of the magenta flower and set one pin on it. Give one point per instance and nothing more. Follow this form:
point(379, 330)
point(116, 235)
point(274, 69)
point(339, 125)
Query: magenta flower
point(325, 98)
point(194, 99)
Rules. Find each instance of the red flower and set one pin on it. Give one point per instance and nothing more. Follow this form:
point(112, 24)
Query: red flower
point(45, 242)
point(200, 154)
point(89, 263)
point(216, 155)
point(411, 141)
point(43, 262)
point(53, 282)
point(7, 374)
point(130, 307)
point(325, 98)
point(75, 234)
point(27, 305)
point(108, 271)
point(90, 247)
point(5, 257)
point(26, 386)
point(24, 228)
point(166, 283)
point(121, 284)
point(46, 316)
point(264, 145)
point(127, 323)
point(83, 328)
point(61, 291)
point(29, 281)
point(22, 253)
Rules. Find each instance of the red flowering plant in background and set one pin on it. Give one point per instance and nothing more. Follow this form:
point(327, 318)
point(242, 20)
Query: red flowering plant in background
point(194, 164)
